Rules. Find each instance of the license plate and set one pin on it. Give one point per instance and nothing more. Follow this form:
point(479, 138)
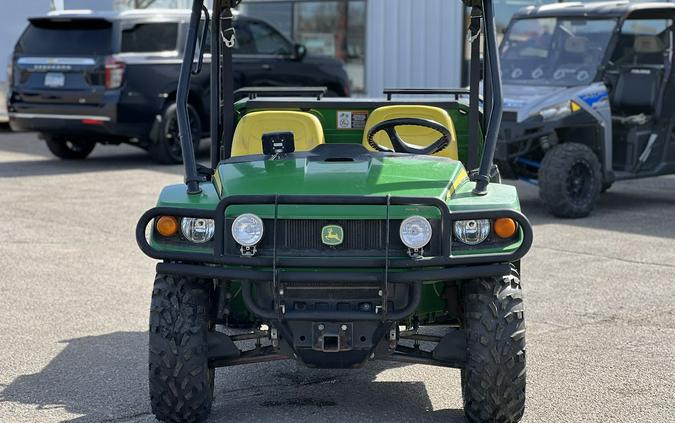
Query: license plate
point(55, 80)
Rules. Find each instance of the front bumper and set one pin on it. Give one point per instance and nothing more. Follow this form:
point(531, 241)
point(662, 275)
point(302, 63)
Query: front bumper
point(384, 271)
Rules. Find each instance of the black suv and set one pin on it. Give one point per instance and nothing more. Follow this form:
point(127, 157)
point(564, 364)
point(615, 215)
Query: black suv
point(85, 78)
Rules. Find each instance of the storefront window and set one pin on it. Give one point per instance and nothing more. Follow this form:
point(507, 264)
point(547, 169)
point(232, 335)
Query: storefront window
point(327, 28)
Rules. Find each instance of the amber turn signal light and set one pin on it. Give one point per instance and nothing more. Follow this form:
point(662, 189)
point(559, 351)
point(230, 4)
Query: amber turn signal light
point(505, 227)
point(167, 226)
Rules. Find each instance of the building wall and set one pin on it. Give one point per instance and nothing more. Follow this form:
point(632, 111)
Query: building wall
point(13, 21)
point(413, 44)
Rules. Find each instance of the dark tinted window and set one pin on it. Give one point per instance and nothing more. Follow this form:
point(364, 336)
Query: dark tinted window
point(85, 37)
point(146, 38)
point(255, 38)
point(244, 39)
point(260, 38)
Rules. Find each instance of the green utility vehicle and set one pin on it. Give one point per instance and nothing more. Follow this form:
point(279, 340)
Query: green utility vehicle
point(334, 231)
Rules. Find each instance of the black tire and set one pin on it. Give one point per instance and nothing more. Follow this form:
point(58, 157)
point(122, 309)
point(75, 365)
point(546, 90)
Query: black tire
point(166, 147)
point(493, 382)
point(181, 382)
point(570, 179)
point(70, 149)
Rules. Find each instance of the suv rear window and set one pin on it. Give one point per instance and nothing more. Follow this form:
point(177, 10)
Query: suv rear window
point(150, 37)
point(85, 37)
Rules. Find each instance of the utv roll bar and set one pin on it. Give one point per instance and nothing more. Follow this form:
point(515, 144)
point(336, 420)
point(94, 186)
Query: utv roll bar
point(457, 92)
point(222, 92)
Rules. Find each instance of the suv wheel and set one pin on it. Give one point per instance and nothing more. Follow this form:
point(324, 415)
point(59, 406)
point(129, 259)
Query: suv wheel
point(493, 382)
point(166, 147)
point(181, 382)
point(70, 149)
point(570, 180)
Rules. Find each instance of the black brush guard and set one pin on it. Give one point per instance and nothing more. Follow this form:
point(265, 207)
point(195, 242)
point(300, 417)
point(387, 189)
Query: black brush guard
point(384, 271)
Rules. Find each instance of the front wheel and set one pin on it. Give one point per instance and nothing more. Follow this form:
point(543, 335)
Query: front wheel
point(166, 147)
point(181, 382)
point(570, 180)
point(70, 149)
point(493, 381)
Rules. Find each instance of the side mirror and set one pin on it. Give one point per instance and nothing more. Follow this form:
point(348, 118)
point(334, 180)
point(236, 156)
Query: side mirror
point(300, 52)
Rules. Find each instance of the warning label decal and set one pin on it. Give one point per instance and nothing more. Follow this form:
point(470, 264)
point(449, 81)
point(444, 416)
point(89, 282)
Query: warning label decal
point(351, 119)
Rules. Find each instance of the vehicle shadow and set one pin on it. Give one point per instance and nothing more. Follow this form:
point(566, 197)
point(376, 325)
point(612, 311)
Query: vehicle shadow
point(97, 377)
point(104, 378)
point(40, 162)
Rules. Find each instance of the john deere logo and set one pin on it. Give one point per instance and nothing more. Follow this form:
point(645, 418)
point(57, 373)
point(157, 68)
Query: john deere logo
point(332, 235)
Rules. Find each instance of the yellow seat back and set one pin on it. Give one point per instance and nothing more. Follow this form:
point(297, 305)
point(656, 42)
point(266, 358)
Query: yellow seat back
point(416, 135)
point(306, 128)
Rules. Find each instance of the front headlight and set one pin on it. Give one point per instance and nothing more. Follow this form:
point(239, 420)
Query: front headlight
point(472, 232)
point(198, 230)
point(247, 230)
point(415, 232)
point(558, 111)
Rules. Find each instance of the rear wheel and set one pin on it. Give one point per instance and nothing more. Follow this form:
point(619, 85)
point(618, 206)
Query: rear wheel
point(70, 149)
point(493, 382)
point(570, 180)
point(166, 148)
point(181, 382)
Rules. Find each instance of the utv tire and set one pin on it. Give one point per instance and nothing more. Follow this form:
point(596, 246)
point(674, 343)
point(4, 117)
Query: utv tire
point(570, 180)
point(493, 382)
point(165, 148)
point(181, 382)
point(70, 149)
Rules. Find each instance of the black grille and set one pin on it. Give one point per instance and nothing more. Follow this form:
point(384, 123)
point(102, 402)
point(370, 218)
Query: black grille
point(302, 237)
point(358, 234)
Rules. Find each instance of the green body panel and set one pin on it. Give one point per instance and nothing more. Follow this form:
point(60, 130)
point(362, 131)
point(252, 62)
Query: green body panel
point(396, 175)
point(498, 196)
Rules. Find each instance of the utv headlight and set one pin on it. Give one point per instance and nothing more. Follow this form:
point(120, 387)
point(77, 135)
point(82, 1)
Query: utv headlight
point(197, 230)
point(472, 232)
point(557, 111)
point(415, 232)
point(247, 230)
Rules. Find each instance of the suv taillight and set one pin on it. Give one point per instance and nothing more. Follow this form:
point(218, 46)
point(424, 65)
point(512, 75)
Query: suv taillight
point(10, 70)
point(114, 73)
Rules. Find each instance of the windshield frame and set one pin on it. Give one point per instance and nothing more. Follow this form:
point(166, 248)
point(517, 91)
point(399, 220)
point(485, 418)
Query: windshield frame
point(618, 22)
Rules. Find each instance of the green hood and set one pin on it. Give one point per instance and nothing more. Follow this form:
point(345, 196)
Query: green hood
point(397, 175)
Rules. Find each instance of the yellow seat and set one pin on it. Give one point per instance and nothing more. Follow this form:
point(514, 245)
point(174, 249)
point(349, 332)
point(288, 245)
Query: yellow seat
point(306, 128)
point(416, 135)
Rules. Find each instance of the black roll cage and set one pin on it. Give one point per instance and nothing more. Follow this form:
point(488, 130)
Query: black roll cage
point(222, 95)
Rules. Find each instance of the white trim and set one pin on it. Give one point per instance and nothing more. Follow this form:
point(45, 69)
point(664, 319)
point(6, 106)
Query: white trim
point(52, 116)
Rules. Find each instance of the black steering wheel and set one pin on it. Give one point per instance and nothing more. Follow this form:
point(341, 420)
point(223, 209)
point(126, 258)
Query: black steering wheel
point(400, 146)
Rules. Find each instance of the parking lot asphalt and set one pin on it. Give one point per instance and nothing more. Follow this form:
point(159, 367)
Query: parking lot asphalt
point(75, 291)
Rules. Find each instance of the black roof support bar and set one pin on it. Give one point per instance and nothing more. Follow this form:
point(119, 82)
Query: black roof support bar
point(216, 123)
point(493, 98)
point(192, 178)
point(474, 88)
